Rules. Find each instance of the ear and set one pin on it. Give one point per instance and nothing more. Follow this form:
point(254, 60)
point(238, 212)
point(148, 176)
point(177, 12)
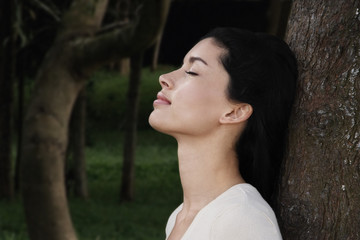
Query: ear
point(237, 114)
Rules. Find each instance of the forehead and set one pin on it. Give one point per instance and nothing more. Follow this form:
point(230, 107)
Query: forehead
point(207, 50)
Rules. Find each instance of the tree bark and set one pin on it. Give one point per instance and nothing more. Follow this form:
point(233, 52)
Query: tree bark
point(7, 71)
point(77, 50)
point(320, 189)
point(127, 184)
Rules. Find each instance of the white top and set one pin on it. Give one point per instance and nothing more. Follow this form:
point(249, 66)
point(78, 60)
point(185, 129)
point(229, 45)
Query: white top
point(238, 213)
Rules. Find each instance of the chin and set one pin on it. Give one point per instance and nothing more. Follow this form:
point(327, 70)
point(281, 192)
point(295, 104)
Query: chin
point(154, 123)
point(159, 124)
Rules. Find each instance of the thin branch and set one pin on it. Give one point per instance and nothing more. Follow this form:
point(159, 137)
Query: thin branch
point(51, 10)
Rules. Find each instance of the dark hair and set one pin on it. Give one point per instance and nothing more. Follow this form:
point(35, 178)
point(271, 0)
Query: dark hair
point(263, 73)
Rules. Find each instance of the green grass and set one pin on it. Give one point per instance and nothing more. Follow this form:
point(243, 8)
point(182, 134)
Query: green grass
point(157, 185)
point(157, 191)
point(12, 223)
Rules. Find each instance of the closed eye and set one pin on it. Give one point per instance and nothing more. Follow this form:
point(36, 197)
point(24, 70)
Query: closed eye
point(191, 73)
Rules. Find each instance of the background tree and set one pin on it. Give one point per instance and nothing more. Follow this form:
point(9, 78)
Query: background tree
point(23, 43)
point(79, 47)
point(132, 99)
point(132, 105)
point(320, 188)
point(75, 167)
point(8, 50)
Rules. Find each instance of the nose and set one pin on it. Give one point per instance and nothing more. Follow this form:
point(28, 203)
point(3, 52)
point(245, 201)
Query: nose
point(165, 81)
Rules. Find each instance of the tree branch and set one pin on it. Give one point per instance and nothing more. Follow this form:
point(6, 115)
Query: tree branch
point(92, 51)
point(82, 19)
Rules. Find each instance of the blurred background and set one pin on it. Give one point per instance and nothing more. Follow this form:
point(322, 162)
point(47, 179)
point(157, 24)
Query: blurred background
point(120, 177)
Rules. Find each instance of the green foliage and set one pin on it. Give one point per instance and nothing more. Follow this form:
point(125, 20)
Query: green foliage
point(157, 185)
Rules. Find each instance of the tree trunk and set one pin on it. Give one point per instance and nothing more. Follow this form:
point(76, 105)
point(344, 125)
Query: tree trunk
point(77, 146)
point(7, 71)
point(320, 189)
point(19, 124)
point(127, 184)
point(124, 66)
point(45, 140)
point(77, 50)
point(156, 52)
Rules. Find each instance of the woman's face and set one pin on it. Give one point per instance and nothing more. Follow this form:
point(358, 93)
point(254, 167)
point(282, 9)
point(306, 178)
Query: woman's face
point(193, 97)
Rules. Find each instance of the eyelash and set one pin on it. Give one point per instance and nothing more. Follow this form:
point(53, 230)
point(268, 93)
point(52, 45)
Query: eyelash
point(191, 73)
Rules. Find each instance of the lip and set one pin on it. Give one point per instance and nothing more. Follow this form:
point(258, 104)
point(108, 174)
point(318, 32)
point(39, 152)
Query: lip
point(162, 99)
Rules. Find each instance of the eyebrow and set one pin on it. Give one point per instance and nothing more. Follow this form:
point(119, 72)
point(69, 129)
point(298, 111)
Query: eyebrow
point(193, 59)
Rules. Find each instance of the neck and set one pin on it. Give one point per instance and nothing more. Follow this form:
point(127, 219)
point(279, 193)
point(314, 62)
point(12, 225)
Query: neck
point(208, 167)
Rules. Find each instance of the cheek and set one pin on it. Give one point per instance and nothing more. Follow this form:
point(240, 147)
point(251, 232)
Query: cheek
point(202, 102)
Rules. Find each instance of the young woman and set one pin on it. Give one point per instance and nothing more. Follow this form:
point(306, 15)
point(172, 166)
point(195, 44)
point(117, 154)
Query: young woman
point(228, 108)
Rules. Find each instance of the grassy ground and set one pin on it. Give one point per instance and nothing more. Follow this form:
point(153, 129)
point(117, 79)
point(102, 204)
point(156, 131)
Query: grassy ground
point(157, 186)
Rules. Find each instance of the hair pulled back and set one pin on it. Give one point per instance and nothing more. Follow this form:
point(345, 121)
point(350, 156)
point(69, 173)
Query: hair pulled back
point(263, 73)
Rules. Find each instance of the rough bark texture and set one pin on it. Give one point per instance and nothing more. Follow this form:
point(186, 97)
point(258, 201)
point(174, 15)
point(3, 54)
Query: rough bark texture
point(127, 184)
point(58, 83)
point(320, 189)
point(7, 56)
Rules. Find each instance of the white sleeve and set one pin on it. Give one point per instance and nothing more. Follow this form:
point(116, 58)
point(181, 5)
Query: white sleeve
point(245, 224)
